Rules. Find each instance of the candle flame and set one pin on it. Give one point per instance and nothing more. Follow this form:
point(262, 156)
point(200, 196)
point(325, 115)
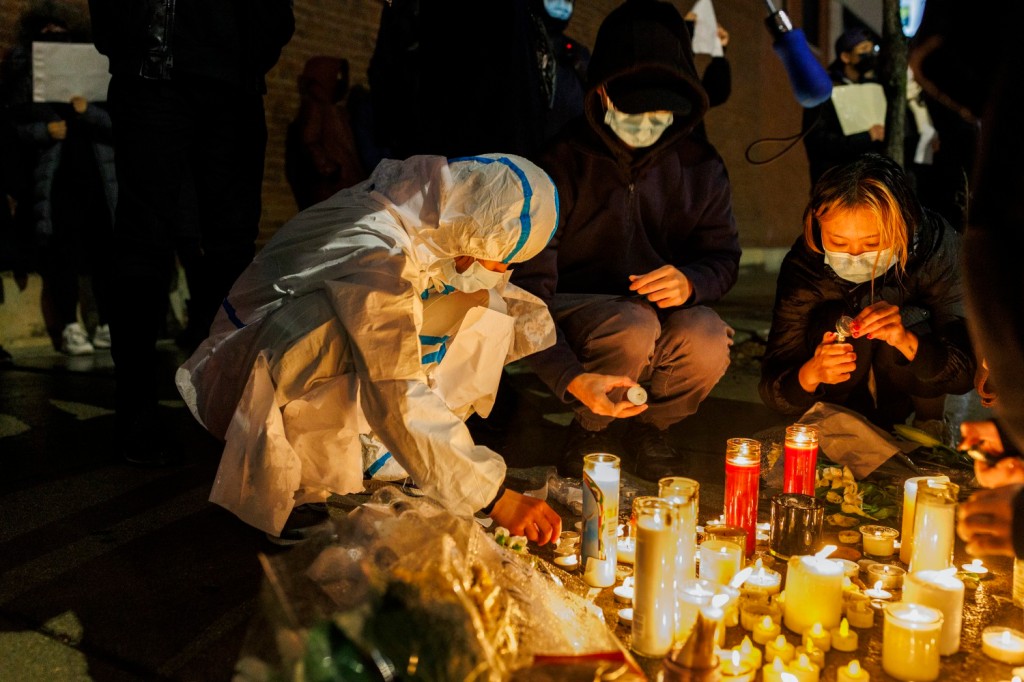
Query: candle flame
point(803, 661)
point(779, 666)
point(844, 628)
point(780, 641)
point(766, 622)
point(826, 551)
point(759, 565)
point(746, 646)
point(628, 582)
point(878, 585)
point(817, 630)
point(854, 667)
point(976, 562)
point(736, 658)
point(1005, 637)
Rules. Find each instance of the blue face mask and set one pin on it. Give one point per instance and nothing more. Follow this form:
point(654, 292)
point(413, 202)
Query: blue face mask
point(861, 268)
point(558, 9)
point(637, 130)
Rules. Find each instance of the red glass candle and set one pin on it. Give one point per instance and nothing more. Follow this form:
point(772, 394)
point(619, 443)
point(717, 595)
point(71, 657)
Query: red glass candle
point(742, 474)
point(801, 458)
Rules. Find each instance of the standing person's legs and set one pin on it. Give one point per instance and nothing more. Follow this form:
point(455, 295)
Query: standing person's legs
point(151, 128)
point(227, 170)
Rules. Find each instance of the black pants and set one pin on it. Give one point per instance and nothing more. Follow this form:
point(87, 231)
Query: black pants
point(175, 142)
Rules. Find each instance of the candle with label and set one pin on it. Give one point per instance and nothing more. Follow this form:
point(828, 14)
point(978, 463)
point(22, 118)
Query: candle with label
point(1003, 644)
point(654, 599)
point(934, 526)
point(742, 475)
point(801, 459)
point(684, 493)
point(910, 642)
point(940, 590)
point(909, 505)
point(600, 518)
point(814, 592)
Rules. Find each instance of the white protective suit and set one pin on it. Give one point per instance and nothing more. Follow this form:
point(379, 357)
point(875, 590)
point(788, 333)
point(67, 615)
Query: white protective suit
point(342, 334)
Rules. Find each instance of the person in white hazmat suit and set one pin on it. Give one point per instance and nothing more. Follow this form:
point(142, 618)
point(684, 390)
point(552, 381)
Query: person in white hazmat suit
point(365, 332)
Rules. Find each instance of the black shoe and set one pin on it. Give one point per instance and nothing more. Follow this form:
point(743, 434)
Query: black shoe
point(305, 521)
point(583, 442)
point(653, 455)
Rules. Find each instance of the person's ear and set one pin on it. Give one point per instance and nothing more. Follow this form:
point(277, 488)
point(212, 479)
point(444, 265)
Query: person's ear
point(846, 57)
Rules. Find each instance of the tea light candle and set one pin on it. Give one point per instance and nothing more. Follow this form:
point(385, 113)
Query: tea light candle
point(776, 671)
point(751, 614)
point(843, 638)
point(626, 550)
point(626, 616)
point(624, 592)
point(567, 561)
point(909, 506)
point(1003, 644)
point(940, 590)
point(853, 673)
point(735, 669)
point(858, 611)
point(779, 648)
point(818, 636)
point(762, 581)
point(879, 541)
point(804, 669)
point(851, 569)
point(568, 543)
point(720, 560)
point(750, 653)
point(814, 592)
point(766, 630)
point(876, 593)
point(975, 567)
point(910, 642)
point(890, 577)
point(813, 654)
point(848, 537)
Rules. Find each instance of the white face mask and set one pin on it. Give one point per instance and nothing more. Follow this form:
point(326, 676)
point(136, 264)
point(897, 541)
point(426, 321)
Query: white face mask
point(475, 278)
point(558, 9)
point(637, 130)
point(860, 268)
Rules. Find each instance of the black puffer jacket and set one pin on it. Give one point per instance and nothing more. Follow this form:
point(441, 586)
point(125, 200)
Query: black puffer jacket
point(932, 282)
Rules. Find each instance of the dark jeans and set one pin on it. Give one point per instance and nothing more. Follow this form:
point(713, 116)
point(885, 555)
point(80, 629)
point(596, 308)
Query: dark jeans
point(178, 141)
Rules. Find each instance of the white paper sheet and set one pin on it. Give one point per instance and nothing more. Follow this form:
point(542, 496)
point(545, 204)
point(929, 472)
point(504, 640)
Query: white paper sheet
point(859, 106)
point(705, 33)
point(61, 71)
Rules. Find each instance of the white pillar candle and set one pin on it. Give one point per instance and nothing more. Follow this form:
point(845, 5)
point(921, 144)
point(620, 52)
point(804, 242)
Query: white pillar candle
point(720, 560)
point(853, 673)
point(685, 494)
point(934, 526)
point(909, 504)
point(814, 593)
point(600, 518)
point(654, 599)
point(1003, 644)
point(940, 590)
point(910, 642)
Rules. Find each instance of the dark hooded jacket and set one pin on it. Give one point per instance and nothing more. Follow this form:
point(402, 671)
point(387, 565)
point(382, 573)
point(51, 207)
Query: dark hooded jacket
point(627, 212)
point(932, 282)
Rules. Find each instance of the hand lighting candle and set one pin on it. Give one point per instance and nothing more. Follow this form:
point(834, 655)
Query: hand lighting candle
point(853, 673)
point(600, 518)
point(940, 590)
point(814, 591)
point(742, 473)
point(779, 648)
point(684, 493)
point(654, 601)
point(909, 505)
point(1003, 644)
point(934, 526)
point(801, 459)
point(843, 638)
point(910, 642)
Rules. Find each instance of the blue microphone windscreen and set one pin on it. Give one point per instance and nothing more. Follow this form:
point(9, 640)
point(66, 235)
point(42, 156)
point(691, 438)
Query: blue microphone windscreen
point(810, 81)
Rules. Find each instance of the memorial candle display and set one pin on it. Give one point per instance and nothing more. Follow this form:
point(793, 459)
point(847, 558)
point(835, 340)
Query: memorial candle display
point(909, 504)
point(684, 493)
point(600, 518)
point(742, 473)
point(654, 599)
point(801, 459)
point(940, 590)
point(934, 526)
point(814, 592)
point(910, 642)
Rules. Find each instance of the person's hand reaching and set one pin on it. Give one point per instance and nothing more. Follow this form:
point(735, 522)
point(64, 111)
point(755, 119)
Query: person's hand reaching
point(524, 515)
point(986, 521)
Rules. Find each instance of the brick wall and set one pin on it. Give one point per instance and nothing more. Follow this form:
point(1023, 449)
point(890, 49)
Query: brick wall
point(768, 199)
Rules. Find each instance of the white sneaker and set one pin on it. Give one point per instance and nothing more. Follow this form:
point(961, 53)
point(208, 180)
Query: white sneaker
point(75, 341)
point(101, 336)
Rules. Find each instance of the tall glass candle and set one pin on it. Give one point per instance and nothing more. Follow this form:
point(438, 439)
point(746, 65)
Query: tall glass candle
point(909, 504)
point(600, 518)
point(934, 526)
point(814, 593)
point(801, 459)
point(940, 590)
point(910, 642)
point(742, 474)
point(654, 598)
point(684, 493)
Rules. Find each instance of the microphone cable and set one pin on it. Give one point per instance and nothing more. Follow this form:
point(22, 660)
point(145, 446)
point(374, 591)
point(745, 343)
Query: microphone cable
point(793, 140)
